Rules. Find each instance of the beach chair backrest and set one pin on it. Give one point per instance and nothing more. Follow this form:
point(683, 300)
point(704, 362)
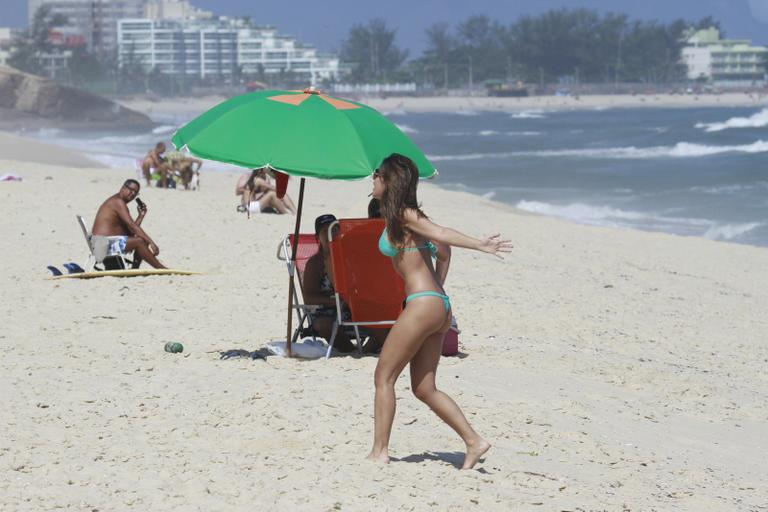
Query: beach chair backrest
point(308, 247)
point(364, 278)
point(86, 234)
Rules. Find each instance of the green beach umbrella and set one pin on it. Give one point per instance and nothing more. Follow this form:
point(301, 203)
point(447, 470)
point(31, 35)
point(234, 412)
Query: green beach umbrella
point(300, 133)
point(305, 134)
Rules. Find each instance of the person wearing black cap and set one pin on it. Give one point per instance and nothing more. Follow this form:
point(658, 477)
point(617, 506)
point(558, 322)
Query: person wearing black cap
point(318, 287)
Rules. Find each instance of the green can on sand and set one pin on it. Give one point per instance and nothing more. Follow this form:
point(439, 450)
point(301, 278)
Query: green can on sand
point(174, 347)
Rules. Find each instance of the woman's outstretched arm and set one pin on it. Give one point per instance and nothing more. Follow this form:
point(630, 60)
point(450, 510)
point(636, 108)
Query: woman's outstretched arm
point(443, 262)
point(431, 231)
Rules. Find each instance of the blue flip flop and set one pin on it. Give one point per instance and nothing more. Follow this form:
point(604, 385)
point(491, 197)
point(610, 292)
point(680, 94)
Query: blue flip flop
point(54, 270)
point(73, 268)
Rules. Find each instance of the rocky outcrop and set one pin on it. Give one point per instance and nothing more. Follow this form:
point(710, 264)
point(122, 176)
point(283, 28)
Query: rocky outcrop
point(32, 97)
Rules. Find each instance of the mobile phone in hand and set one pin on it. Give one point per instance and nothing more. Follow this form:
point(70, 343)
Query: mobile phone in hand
point(140, 203)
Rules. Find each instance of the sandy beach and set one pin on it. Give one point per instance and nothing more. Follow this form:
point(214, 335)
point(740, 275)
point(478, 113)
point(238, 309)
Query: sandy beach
point(175, 106)
point(610, 369)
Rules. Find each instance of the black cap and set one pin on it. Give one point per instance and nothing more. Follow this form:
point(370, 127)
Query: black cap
point(323, 220)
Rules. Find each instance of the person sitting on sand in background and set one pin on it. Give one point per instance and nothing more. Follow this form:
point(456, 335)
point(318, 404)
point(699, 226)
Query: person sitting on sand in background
point(417, 335)
point(259, 195)
point(114, 220)
point(318, 287)
point(154, 162)
point(185, 166)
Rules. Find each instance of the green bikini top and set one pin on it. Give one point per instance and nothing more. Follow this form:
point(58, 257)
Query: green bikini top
point(387, 249)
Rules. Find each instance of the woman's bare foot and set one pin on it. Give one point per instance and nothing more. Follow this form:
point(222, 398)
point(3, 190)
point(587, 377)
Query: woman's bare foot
point(474, 452)
point(381, 458)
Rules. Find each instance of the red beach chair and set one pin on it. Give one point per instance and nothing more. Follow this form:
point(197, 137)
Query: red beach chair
point(364, 279)
point(308, 247)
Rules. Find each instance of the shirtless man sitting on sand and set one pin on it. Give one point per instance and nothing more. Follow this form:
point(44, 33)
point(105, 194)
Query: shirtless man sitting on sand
point(114, 231)
point(155, 161)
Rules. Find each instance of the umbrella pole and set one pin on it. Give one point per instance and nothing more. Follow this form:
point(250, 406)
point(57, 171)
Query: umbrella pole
point(291, 285)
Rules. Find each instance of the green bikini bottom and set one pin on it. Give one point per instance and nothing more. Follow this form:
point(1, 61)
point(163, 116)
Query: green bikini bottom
point(446, 300)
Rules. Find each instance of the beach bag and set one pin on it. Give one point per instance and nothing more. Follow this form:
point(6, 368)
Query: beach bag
point(451, 339)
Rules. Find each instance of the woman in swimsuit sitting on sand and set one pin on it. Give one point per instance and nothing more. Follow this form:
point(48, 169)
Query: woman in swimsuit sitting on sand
point(417, 336)
point(259, 196)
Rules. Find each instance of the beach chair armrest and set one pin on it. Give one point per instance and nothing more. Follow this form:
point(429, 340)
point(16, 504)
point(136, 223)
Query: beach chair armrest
point(309, 308)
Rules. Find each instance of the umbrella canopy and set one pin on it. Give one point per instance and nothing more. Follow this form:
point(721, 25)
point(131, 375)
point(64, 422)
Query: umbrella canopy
point(299, 133)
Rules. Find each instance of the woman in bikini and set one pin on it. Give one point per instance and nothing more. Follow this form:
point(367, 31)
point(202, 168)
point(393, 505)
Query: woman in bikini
point(416, 337)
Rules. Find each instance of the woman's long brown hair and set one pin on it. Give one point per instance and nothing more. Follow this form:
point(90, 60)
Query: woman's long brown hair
point(401, 177)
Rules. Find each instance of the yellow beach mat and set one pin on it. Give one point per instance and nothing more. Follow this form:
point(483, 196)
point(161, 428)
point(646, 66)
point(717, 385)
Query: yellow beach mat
point(133, 272)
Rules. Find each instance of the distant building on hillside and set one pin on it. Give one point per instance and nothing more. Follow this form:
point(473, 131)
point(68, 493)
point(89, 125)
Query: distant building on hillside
point(7, 35)
point(724, 62)
point(219, 48)
point(96, 20)
point(174, 9)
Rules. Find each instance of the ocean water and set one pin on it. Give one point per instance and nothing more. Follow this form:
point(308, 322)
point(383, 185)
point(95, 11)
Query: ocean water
point(696, 172)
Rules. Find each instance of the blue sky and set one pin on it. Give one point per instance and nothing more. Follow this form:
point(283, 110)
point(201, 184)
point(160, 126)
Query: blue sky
point(326, 23)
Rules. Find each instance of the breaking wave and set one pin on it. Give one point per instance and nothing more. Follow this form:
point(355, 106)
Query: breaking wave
point(758, 120)
point(166, 128)
point(730, 231)
point(679, 150)
point(406, 129)
point(395, 112)
point(613, 217)
point(529, 114)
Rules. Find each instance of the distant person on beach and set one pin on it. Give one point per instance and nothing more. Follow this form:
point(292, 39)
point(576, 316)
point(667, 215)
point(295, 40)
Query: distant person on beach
point(154, 162)
point(318, 287)
point(258, 194)
point(417, 335)
point(186, 167)
point(114, 220)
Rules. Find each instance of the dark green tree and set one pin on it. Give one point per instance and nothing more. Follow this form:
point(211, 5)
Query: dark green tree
point(480, 50)
point(372, 51)
point(35, 41)
point(707, 22)
point(439, 56)
point(84, 67)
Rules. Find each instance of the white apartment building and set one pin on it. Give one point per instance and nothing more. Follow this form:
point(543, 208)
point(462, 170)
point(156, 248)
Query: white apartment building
point(218, 48)
point(724, 62)
point(173, 9)
point(7, 35)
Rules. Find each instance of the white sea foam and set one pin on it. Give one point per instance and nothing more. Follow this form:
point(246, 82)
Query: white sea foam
point(730, 231)
point(529, 114)
point(466, 113)
point(758, 120)
point(679, 150)
point(525, 134)
point(47, 132)
point(406, 129)
point(127, 139)
point(614, 217)
point(486, 133)
point(489, 195)
point(395, 112)
point(731, 189)
point(114, 161)
point(583, 213)
point(166, 128)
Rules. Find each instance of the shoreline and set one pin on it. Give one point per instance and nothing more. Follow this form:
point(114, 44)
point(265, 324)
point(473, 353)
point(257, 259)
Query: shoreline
point(20, 148)
point(192, 106)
